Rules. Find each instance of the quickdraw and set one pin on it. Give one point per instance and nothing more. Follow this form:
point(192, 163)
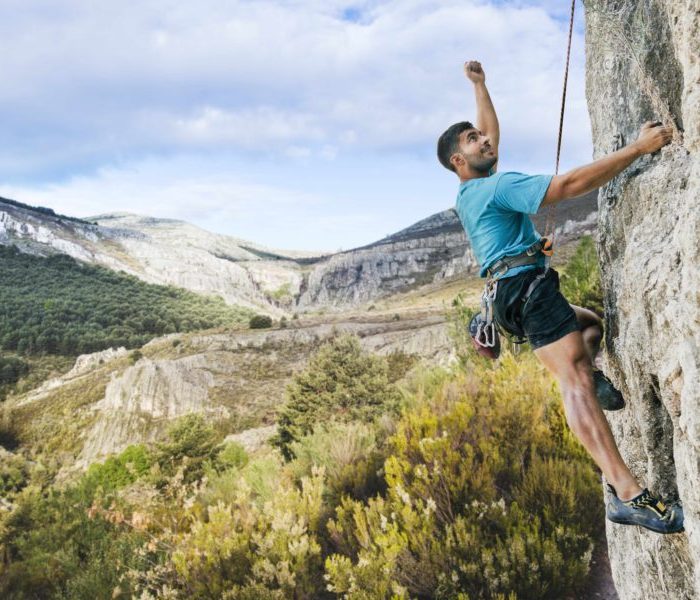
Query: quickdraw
point(482, 327)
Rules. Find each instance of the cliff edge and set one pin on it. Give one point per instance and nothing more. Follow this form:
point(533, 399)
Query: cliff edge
point(642, 63)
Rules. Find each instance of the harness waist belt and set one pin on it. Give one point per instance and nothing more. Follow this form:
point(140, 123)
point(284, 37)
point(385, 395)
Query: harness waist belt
point(531, 256)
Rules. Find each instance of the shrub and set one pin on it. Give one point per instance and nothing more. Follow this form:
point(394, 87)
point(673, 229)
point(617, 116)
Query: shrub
point(53, 548)
point(12, 368)
point(14, 473)
point(485, 489)
point(580, 279)
point(399, 363)
point(246, 547)
point(118, 471)
point(351, 454)
point(192, 444)
point(260, 322)
point(341, 382)
point(135, 356)
point(232, 456)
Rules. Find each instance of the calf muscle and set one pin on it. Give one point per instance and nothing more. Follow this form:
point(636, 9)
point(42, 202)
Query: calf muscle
point(569, 362)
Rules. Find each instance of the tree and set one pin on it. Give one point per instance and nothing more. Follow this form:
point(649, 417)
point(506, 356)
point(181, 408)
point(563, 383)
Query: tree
point(342, 383)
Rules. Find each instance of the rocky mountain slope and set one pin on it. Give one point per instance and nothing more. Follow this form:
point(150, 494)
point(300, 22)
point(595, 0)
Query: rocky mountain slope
point(160, 251)
point(114, 398)
point(168, 251)
point(643, 63)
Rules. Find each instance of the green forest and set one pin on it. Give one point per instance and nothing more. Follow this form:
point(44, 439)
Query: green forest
point(59, 307)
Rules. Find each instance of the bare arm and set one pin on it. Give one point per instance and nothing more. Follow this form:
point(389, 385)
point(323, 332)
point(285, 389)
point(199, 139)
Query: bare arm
point(486, 119)
point(589, 177)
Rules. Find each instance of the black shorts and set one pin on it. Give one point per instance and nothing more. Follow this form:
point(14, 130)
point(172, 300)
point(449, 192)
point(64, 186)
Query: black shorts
point(545, 317)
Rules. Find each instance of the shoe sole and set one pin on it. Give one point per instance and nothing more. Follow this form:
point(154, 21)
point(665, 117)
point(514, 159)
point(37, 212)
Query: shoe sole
point(629, 522)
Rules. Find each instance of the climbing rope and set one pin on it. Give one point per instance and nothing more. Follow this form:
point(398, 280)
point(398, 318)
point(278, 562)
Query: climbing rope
point(548, 232)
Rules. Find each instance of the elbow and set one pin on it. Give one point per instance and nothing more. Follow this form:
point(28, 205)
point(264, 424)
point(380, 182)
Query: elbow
point(560, 188)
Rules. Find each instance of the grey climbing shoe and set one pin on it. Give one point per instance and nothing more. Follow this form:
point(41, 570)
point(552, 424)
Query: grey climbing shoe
point(609, 398)
point(646, 511)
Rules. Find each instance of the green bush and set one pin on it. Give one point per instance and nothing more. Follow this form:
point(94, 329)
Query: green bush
point(352, 455)
point(118, 471)
point(260, 322)
point(135, 356)
point(399, 363)
point(12, 368)
point(485, 493)
point(14, 474)
point(341, 382)
point(580, 278)
point(53, 547)
point(232, 456)
point(192, 444)
point(249, 547)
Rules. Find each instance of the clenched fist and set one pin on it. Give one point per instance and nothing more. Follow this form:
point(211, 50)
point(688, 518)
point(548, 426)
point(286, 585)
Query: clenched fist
point(474, 72)
point(653, 136)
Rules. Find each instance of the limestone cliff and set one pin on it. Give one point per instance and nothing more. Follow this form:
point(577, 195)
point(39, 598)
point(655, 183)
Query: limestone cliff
point(642, 63)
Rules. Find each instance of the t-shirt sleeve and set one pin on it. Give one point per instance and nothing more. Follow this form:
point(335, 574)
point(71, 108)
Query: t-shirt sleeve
point(521, 193)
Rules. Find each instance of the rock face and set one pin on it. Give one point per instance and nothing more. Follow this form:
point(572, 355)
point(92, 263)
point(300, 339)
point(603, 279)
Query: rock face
point(643, 63)
point(432, 249)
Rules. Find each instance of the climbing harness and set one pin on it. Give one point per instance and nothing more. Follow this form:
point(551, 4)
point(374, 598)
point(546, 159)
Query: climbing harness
point(483, 328)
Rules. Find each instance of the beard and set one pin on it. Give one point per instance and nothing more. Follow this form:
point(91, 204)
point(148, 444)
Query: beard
point(483, 162)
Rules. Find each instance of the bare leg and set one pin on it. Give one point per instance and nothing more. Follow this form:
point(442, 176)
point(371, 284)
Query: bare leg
point(568, 360)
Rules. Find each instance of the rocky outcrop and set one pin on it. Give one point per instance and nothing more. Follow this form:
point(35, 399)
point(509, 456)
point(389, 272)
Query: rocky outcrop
point(429, 251)
point(643, 63)
point(238, 376)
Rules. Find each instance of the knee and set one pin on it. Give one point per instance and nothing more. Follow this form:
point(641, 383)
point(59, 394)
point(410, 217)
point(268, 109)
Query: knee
point(578, 380)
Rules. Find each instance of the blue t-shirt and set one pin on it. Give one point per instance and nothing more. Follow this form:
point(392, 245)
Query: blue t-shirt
point(494, 212)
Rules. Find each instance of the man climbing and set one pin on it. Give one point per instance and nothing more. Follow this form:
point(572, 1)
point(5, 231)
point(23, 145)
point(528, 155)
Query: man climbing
point(494, 208)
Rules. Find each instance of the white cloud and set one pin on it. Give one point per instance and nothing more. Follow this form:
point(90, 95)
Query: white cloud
point(332, 107)
point(164, 75)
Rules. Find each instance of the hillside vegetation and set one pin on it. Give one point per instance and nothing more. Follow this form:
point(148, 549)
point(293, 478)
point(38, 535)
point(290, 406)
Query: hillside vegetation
point(403, 481)
point(437, 483)
point(59, 306)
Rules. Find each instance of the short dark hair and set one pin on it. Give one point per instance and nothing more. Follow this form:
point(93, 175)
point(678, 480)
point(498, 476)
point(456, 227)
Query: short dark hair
point(448, 143)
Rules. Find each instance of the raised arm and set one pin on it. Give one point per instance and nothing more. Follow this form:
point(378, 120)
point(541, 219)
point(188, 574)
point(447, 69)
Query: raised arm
point(578, 181)
point(486, 119)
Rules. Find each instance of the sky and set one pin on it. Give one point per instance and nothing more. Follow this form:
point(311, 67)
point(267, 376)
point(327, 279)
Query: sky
point(295, 124)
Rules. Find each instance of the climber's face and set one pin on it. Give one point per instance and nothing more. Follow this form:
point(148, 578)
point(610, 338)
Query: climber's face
point(475, 150)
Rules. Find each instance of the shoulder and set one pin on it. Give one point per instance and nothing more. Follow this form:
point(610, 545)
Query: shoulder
point(514, 180)
point(511, 177)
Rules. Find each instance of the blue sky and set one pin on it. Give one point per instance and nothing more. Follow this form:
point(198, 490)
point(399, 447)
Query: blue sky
point(306, 125)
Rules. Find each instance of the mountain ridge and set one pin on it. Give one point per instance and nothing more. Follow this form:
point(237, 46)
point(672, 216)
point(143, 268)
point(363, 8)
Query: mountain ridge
point(280, 282)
